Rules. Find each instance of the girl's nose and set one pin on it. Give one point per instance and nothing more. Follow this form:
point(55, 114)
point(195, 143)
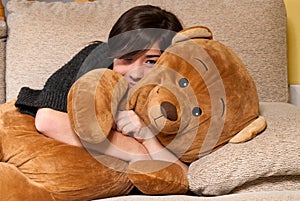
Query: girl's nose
point(137, 73)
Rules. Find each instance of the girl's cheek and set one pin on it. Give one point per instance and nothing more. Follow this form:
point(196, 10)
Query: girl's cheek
point(147, 70)
point(122, 69)
point(119, 69)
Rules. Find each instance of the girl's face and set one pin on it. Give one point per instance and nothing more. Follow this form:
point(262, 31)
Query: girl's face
point(134, 69)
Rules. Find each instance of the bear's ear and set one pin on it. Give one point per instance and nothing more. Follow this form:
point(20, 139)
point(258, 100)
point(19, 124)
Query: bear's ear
point(193, 33)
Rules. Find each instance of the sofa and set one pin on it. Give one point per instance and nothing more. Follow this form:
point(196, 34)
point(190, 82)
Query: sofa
point(36, 38)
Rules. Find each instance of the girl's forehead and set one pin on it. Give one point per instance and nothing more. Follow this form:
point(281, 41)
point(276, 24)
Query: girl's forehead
point(151, 53)
point(153, 50)
point(155, 46)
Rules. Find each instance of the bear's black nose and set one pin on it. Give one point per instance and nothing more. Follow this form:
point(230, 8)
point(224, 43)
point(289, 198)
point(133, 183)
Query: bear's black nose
point(169, 111)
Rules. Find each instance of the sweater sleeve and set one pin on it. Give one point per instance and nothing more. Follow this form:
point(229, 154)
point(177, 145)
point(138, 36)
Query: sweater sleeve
point(55, 92)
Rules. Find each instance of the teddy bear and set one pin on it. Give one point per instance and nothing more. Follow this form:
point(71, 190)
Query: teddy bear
point(198, 97)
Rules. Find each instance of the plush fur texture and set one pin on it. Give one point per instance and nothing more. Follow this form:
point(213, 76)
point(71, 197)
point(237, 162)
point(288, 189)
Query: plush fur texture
point(34, 167)
point(197, 97)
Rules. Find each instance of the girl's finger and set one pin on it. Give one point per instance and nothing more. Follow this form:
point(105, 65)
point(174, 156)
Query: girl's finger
point(122, 114)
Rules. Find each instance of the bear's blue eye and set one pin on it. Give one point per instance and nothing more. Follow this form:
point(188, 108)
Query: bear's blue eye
point(196, 111)
point(183, 82)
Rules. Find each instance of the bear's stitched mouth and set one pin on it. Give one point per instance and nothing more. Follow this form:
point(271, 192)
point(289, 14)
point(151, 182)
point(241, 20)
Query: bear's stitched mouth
point(196, 126)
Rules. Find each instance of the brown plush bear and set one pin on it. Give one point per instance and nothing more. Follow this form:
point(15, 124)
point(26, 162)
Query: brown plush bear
point(198, 97)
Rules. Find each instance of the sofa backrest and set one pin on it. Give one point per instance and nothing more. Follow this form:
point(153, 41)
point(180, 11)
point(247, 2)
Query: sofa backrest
point(43, 36)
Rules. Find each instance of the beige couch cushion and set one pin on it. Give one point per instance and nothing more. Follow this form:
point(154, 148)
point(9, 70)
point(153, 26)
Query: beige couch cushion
point(44, 36)
point(257, 196)
point(271, 161)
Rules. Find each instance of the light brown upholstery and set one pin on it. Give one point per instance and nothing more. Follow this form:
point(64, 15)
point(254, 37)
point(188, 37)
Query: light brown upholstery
point(56, 31)
point(44, 36)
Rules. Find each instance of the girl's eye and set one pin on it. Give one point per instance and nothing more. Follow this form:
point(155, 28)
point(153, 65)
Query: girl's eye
point(151, 62)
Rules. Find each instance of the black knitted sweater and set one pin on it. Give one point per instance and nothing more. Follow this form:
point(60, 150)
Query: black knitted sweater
point(55, 92)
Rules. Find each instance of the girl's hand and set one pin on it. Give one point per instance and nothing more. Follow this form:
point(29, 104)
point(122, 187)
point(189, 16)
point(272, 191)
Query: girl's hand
point(129, 123)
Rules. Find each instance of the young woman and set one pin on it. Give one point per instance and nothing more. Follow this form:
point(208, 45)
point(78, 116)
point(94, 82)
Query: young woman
point(134, 45)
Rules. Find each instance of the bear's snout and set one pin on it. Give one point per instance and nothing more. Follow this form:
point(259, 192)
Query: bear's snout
point(169, 111)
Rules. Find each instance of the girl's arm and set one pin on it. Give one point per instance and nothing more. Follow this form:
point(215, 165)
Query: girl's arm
point(159, 152)
point(120, 146)
point(129, 123)
point(56, 125)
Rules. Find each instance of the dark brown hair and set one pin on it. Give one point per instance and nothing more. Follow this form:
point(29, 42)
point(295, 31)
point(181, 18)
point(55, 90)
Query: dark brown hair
point(139, 28)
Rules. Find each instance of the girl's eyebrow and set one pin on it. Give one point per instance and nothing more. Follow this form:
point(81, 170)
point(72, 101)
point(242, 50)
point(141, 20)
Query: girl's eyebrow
point(152, 55)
